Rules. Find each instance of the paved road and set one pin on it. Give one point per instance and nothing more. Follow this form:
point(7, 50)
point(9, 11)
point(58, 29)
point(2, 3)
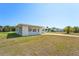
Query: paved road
point(61, 34)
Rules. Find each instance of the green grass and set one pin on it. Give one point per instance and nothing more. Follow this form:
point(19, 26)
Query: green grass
point(38, 45)
point(3, 35)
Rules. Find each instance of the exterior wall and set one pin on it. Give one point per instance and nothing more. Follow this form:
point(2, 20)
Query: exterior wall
point(19, 30)
point(32, 32)
point(24, 30)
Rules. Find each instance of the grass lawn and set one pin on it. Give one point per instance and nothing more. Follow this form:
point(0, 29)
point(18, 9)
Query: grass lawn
point(41, 45)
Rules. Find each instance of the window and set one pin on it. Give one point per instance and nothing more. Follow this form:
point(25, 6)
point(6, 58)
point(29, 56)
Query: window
point(34, 30)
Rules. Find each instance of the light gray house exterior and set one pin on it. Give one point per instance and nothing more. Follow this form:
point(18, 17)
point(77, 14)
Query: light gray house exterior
point(25, 29)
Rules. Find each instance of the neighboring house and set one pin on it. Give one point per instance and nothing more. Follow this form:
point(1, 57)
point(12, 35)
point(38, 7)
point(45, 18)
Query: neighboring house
point(25, 29)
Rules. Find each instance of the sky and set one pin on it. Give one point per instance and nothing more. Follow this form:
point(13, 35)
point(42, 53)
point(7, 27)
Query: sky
point(52, 14)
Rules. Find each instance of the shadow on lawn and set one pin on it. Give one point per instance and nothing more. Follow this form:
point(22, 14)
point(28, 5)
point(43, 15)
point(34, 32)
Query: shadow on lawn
point(12, 35)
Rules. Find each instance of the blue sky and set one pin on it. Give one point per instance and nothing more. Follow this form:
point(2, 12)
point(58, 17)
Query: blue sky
point(58, 15)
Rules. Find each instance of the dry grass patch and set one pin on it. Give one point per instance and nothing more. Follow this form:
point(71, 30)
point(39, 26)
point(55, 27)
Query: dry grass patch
point(41, 45)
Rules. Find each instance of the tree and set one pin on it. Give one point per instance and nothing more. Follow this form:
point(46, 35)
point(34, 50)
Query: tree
point(1, 28)
point(75, 29)
point(53, 29)
point(48, 29)
point(68, 29)
point(6, 28)
point(12, 28)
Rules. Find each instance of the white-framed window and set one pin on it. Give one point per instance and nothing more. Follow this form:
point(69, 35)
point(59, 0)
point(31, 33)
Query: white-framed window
point(34, 30)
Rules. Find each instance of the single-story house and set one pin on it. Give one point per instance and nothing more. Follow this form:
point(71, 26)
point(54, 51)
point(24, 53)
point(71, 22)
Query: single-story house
point(25, 29)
